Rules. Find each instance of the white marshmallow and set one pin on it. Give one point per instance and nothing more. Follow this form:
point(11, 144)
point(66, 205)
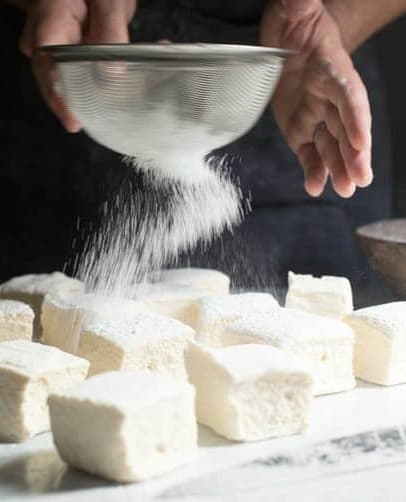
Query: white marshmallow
point(170, 300)
point(147, 343)
point(327, 296)
point(64, 316)
point(210, 282)
point(380, 343)
point(325, 344)
point(16, 320)
point(33, 288)
point(125, 426)
point(249, 392)
point(216, 312)
point(28, 373)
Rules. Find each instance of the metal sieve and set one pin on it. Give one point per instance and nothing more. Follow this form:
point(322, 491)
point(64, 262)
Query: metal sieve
point(140, 98)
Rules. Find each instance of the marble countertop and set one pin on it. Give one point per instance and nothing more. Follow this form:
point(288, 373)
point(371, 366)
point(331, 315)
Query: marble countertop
point(356, 442)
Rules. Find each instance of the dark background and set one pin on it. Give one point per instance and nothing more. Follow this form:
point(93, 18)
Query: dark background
point(391, 43)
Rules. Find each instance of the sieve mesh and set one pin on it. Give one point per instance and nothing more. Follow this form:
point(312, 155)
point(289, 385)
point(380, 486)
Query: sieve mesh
point(137, 99)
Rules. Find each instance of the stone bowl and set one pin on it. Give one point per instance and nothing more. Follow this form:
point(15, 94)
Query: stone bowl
point(384, 244)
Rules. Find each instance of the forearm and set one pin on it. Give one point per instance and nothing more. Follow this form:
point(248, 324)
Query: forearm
point(359, 19)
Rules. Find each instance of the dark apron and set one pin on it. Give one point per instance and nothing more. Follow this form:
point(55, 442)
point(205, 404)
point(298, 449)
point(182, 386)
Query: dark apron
point(48, 178)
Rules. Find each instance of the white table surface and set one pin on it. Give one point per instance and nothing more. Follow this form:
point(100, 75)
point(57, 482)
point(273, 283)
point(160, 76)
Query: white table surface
point(366, 460)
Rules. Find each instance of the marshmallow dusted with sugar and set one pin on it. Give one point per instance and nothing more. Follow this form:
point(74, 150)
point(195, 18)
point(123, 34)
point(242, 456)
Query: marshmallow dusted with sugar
point(171, 300)
point(216, 312)
point(249, 392)
point(147, 343)
point(16, 321)
point(125, 426)
point(325, 344)
point(210, 282)
point(64, 316)
point(29, 372)
point(327, 295)
point(380, 343)
point(33, 288)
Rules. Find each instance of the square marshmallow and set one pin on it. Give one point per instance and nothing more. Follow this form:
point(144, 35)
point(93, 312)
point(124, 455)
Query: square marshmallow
point(208, 281)
point(28, 373)
point(249, 392)
point(64, 316)
point(380, 343)
point(170, 300)
point(147, 343)
point(216, 312)
point(33, 288)
point(16, 320)
point(325, 344)
point(125, 426)
point(327, 295)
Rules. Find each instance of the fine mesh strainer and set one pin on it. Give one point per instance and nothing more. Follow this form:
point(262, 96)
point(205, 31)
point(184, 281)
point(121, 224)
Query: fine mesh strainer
point(138, 99)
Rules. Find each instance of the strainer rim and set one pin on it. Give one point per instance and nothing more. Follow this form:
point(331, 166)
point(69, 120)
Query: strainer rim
point(221, 53)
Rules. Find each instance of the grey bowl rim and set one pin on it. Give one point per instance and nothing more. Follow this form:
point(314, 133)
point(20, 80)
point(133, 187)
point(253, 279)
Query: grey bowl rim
point(359, 232)
point(178, 52)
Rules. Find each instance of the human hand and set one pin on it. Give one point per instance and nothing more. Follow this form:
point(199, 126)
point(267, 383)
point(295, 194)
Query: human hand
point(53, 22)
point(320, 104)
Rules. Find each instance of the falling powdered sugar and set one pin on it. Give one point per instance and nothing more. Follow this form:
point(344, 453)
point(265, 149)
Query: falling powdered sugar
point(146, 228)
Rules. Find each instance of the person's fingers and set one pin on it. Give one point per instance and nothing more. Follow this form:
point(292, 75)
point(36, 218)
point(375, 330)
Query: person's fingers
point(349, 95)
point(107, 24)
point(356, 113)
point(314, 170)
point(52, 22)
point(330, 154)
point(45, 73)
point(302, 123)
point(357, 162)
point(46, 76)
point(27, 36)
point(296, 10)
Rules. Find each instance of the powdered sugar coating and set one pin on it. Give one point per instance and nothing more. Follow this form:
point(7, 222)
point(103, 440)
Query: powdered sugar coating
point(213, 308)
point(208, 280)
point(170, 300)
point(160, 291)
point(389, 319)
point(286, 327)
point(33, 288)
point(29, 359)
point(41, 284)
point(141, 329)
point(94, 303)
point(127, 391)
point(12, 309)
point(330, 296)
point(310, 282)
point(64, 316)
point(243, 362)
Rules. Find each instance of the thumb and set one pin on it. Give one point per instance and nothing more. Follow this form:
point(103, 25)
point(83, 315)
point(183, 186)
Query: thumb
point(108, 21)
point(296, 10)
